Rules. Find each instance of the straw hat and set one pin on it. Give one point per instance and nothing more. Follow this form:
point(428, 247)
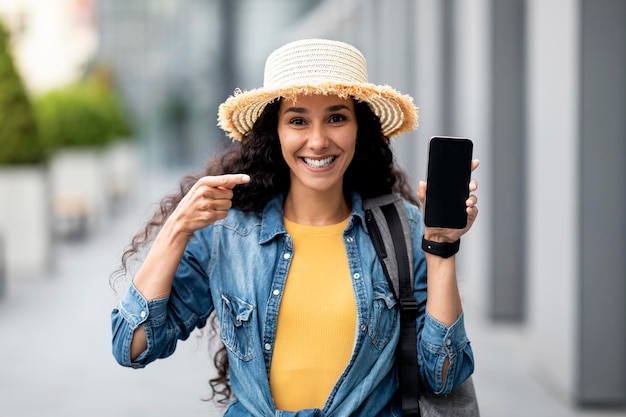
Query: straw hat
point(317, 66)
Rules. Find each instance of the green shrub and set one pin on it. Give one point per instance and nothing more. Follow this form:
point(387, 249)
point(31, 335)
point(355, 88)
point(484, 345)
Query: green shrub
point(19, 139)
point(70, 117)
point(84, 114)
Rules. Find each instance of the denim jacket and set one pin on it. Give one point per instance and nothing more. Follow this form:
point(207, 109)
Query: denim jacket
point(238, 267)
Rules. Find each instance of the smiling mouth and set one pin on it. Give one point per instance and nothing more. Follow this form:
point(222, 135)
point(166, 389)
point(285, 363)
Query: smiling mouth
point(319, 163)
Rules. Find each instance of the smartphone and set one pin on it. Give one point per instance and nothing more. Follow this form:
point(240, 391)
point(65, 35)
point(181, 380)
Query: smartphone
point(448, 178)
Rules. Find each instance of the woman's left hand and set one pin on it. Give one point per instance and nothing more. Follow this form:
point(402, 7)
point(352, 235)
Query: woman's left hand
point(438, 234)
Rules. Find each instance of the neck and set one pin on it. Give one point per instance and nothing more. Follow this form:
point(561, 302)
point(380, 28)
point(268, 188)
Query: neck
point(316, 209)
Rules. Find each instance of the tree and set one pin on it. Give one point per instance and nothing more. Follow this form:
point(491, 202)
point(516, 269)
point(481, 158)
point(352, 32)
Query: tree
point(19, 139)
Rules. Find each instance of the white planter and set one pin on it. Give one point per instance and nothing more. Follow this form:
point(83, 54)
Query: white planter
point(122, 167)
point(25, 222)
point(79, 197)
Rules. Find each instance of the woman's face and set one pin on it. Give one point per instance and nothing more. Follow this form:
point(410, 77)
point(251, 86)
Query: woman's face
point(318, 138)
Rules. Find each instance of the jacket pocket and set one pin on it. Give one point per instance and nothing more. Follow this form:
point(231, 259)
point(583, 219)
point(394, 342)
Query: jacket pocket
point(236, 327)
point(383, 316)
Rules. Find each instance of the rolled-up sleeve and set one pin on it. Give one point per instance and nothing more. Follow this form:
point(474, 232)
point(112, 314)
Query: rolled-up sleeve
point(165, 320)
point(439, 342)
point(132, 311)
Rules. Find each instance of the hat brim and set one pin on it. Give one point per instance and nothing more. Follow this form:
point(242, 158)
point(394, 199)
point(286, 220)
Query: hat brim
point(396, 111)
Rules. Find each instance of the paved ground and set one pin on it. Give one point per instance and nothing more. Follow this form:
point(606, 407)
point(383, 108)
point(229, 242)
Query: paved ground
point(55, 355)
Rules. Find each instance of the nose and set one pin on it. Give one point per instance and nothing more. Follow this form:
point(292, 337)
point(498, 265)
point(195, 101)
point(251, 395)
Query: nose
point(318, 139)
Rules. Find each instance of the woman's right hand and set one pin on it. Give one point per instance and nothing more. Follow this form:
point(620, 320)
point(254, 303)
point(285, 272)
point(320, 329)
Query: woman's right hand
point(207, 201)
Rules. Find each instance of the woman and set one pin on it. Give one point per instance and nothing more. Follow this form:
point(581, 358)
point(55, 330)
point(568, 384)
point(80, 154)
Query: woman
point(271, 238)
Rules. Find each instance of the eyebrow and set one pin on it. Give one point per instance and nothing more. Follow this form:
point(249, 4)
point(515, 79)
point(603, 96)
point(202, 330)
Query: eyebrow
point(302, 110)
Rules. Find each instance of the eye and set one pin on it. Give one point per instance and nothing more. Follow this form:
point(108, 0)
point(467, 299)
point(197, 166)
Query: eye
point(298, 121)
point(336, 118)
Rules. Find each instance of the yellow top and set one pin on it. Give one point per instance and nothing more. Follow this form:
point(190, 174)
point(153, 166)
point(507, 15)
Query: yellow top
point(317, 319)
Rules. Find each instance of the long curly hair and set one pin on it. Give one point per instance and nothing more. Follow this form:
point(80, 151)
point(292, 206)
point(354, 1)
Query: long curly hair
point(371, 173)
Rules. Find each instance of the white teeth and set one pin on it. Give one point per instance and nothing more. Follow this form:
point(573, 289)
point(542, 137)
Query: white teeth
point(319, 163)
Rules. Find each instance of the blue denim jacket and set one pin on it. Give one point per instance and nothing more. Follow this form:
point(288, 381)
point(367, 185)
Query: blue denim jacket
point(238, 267)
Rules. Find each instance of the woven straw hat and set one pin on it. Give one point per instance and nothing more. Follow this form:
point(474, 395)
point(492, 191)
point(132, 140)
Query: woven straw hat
point(317, 66)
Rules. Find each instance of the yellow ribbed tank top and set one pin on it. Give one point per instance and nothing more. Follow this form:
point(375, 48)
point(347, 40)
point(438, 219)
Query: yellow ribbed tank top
point(316, 321)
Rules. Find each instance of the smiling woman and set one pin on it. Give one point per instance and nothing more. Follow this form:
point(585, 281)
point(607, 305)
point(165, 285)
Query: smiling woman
point(270, 240)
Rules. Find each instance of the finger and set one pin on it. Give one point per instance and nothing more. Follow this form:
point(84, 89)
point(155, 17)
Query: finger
point(216, 216)
point(218, 205)
point(421, 191)
point(225, 181)
point(473, 185)
point(475, 164)
point(471, 201)
point(215, 193)
point(232, 180)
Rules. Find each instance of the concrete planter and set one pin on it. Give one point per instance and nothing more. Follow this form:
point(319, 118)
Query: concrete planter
point(25, 222)
point(122, 169)
point(78, 181)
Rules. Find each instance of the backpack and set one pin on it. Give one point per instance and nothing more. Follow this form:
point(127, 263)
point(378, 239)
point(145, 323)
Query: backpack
point(387, 221)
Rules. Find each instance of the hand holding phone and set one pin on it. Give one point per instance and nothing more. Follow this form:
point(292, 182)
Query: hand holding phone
point(448, 178)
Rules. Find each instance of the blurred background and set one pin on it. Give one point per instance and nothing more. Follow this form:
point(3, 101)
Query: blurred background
point(104, 105)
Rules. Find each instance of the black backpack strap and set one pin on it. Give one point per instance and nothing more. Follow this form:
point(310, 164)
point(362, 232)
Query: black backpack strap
point(386, 221)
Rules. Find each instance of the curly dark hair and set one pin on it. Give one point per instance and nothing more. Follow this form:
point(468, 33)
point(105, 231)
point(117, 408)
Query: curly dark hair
point(371, 173)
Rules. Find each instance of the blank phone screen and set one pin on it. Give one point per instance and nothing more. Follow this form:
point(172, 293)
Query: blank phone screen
point(449, 171)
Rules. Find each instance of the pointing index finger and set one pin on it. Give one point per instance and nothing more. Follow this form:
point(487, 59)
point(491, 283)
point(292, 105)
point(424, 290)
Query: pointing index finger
point(226, 180)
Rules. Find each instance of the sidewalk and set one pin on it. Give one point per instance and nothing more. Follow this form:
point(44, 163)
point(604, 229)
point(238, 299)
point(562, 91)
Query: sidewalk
point(55, 355)
point(55, 349)
point(505, 380)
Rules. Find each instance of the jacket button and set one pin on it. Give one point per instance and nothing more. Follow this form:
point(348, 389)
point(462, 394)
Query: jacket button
point(267, 346)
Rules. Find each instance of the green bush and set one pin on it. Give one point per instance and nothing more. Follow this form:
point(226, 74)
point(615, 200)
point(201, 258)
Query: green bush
point(80, 115)
point(70, 117)
point(19, 139)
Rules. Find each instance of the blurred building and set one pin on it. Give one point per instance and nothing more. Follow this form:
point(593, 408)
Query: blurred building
point(178, 60)
point(53, 40)
point(162, 53)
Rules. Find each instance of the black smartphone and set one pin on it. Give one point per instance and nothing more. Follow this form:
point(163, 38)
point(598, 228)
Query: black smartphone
point(448, 178)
